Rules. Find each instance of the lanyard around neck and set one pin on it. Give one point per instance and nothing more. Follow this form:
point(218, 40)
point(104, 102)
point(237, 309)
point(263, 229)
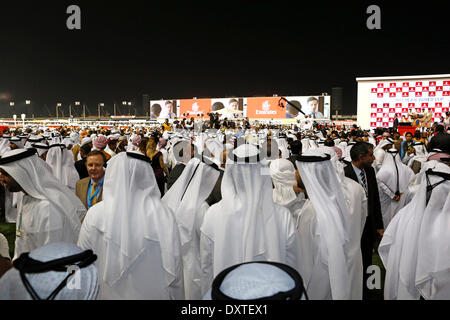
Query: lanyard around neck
point(94, 195)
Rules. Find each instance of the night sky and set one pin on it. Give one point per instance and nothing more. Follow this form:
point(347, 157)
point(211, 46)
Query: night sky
point(210, 49)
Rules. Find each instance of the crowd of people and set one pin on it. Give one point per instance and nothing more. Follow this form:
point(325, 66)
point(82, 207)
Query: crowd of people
point(224, 210)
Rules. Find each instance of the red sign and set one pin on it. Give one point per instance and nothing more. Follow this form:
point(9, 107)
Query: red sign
point(398, 89)
point(418, 84)
point(406, 84)
point(374, 90)
point(432, 94)
point(411, 105)
point(404, 110)
point(439, 88)
point(380, 95)
point(418, 110)
point(446, 93)
point(373, 124)
point(392, 95)
point(385, 124)
point(373, 105)
point(418, 94)
point(446, 83)
point(385, 105)
point(392, 85)
point(425, 104)
point(379, 110)
point(386, 90)
point(432, 83)
point(380, 85)
point(438, 104)
point(398, 105)
point(405, 94)
point(379, 119)
point(412, 89)
point(425, 89)
point(373, 115)
point(391, 110)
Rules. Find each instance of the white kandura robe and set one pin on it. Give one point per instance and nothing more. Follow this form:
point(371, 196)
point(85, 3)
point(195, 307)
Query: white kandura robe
point(186, 198)
point(387, 184)
point(134, 235)
point(49, 212)
point(246, 225)
point(418, 265)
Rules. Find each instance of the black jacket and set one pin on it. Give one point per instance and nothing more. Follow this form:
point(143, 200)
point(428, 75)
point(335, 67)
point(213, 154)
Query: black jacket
point(440, 141)
point(80, 165)
point(374, 219)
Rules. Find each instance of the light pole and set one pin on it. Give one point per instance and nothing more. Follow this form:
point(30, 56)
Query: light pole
point(100, 105)
point(23, 120)
point(57, 106)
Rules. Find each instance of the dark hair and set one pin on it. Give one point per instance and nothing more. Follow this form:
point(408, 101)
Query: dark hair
point(296, 147)
point(86, 148)
point(408, 133)
point(312, 99)
point(217, 106)
point(417, 134)
point(156, 109)
point(96, 153)
point(360, 149)
point(439, 128)
point(329, 143)
point(291, 109)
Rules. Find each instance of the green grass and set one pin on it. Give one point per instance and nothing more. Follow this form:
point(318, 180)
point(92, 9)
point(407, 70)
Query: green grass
point(9, 231)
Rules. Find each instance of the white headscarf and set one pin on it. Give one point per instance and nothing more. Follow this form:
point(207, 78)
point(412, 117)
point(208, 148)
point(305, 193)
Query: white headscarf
point(136, 214)
point(245, 214)
point(61, 162)
point(329, 203)
point(414, 264)
point(393, 173)
point(45, 283)
point(282, 172)
point(4, 146)
point(185, 198)
point(32, 174)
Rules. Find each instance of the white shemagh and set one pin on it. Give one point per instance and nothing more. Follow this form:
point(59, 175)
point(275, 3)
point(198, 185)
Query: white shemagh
point(4, 146)
point(418, 265)
point(185, 199)
point(62, 165)
point(256, 280)
point(215, 148)
point(283, 147)
point(64, 211)
point(394, 174)
point(135, 218)
point(331, 214)
point(247, 225)
point(86, 282)
point(282, 172)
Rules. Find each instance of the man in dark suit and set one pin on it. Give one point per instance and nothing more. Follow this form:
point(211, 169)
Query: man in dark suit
point(361, 171)
point(395, 126)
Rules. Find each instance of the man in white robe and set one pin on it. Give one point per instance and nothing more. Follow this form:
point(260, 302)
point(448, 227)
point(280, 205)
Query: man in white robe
point(284, 180)
point(62, 165)
point(246, 225)
point(324, 230)
point(380, 151)
point(393, 180)
point(414, 248)
point(134, 235)
point(186, 198)
point(356, 200)
point(45, 284)
point(49, 211)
